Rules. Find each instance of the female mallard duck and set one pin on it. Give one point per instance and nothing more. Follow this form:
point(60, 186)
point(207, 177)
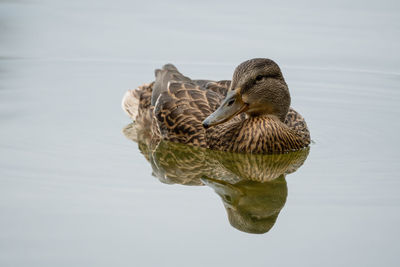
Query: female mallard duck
point(251, 114)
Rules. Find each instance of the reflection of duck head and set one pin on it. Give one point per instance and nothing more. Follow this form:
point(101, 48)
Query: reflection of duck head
point(252, 186)
point(252, 207)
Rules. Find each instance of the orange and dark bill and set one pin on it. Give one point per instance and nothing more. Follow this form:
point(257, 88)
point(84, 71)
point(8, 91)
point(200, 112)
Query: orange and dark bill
point(231, 106)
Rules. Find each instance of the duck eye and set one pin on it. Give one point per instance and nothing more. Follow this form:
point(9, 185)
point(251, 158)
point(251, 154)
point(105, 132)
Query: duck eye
point(231, 102)
point(259, 77)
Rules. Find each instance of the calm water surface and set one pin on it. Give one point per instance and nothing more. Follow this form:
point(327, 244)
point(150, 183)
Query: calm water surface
point(75, 191)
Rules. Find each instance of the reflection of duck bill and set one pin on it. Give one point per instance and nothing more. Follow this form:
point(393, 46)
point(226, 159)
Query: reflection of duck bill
point(226, 191)
point(252, 207)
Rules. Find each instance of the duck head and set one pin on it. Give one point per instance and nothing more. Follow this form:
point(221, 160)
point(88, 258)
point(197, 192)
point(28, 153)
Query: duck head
point(257, 88)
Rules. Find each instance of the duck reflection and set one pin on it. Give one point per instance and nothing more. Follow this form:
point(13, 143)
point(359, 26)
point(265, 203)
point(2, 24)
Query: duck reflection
point(252, 187)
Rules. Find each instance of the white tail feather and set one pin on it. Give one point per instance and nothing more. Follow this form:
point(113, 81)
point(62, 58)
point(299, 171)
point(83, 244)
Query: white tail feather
point(130, 104)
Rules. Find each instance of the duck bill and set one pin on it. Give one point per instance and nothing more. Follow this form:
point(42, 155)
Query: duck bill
point(231, 106)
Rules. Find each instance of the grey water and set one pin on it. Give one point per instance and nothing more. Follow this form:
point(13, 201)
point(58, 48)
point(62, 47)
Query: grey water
point(75, 191)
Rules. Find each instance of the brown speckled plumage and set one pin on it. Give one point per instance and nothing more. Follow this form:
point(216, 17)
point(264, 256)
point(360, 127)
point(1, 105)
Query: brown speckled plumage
point(181, 107)
point(262, 134)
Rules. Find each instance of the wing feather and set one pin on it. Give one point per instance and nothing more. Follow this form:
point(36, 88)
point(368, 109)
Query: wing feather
point(180, 110)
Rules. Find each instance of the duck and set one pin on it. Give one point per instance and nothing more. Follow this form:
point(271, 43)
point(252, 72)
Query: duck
point(249, 114)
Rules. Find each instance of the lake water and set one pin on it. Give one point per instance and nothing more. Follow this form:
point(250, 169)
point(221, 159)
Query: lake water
point(74, 191)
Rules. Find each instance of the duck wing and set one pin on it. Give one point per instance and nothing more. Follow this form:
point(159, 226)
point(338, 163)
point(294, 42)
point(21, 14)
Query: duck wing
point(181, 109)
point(219, 87)
point(169, 73)
point(297, 123)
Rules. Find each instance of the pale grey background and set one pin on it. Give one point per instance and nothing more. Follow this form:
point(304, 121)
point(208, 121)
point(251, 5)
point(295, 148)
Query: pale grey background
point(75, 192)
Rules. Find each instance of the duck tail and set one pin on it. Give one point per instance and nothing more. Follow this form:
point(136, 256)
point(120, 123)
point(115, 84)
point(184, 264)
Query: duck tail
point(135, 99)
point(130, 103)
